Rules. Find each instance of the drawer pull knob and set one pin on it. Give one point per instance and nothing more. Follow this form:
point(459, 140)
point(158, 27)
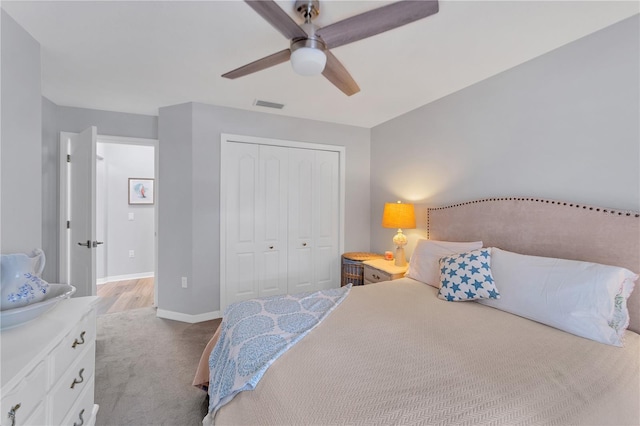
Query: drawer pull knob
point(377, 277)
point(81, 419)
point(76, 381)
point(304, 244)
point(77, 342)
point(12, 414)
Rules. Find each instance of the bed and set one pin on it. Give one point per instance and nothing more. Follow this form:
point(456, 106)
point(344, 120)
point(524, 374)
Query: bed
point(396, 353)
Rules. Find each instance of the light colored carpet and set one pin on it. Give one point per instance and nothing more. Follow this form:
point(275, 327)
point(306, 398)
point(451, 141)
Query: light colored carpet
point(144, 369)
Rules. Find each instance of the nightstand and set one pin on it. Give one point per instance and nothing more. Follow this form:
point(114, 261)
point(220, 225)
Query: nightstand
point(378, 270)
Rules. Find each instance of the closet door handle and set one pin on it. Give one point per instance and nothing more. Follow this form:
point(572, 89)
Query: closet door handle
point(77, 342)
point(76, 381)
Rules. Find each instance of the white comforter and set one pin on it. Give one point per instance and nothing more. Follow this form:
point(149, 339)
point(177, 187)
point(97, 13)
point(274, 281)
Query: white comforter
point(393, 353)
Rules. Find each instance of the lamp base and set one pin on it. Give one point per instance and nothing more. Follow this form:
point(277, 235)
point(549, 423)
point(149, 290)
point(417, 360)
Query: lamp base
point(400, 259)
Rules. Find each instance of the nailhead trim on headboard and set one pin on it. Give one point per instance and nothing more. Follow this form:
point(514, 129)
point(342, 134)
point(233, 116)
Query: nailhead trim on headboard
point(537, 200)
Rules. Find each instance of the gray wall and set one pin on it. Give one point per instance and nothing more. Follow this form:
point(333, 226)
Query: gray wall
point(563, 126)
point(124, 162)
point(56, 119)
point(189, 220)
point(175, 212)
point(21, 177)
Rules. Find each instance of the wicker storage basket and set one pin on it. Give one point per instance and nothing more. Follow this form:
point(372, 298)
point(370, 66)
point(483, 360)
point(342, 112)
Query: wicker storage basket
point(352, 268)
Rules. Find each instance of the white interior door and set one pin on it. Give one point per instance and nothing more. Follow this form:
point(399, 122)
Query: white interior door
point(256, 263)
point(301, 172)
point(101, 217)
point(314, 220)
point(326, 219)
point(241, 262)
point(82, 212)
point(271, 222)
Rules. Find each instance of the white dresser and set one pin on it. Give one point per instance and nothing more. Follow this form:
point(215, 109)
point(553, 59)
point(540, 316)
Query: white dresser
point(48, 367)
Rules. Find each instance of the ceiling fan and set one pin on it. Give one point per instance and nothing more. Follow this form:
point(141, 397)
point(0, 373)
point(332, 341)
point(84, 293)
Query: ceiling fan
point(309, 50)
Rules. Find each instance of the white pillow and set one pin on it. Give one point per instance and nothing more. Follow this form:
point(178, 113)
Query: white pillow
point(424, 266)
point(582, 298)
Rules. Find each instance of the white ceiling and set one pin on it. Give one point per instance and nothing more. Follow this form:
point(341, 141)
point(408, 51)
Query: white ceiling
point(139, 56)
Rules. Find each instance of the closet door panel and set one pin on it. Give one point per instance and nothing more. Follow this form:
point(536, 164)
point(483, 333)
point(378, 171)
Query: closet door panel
point(281, 220)
point(324, 271)
point(301, 194)
point(301, 271)
point(326, 219)
point(241, 200)
point(271, 220)
point(301, 166)
point(245, 203)
point(244, 274)
point(314, 258)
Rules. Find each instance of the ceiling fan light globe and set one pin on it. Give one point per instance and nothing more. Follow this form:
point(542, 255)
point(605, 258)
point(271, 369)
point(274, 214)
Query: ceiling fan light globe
point(308, 61)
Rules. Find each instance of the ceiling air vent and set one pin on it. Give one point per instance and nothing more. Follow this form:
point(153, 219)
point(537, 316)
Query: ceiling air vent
point(266, 104)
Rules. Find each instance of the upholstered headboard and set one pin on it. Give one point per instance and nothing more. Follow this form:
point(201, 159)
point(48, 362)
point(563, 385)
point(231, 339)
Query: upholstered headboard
point(548, 228)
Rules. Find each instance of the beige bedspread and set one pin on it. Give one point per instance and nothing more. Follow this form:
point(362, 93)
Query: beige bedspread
point(393, 353)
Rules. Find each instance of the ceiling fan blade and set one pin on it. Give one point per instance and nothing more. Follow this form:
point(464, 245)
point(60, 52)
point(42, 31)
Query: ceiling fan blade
point(337, 74)
point(376, 21)
point(278, 18)
point(260, 64)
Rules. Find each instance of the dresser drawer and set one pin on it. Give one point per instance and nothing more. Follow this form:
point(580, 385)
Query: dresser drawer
point(81, 413)
point(25, 396)
point(78, 377)
point(373, 275)
point(37, 418)
point(72, 345)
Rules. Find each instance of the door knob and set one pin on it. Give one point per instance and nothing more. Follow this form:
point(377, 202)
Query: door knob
point(96, 243)
point(87, 244)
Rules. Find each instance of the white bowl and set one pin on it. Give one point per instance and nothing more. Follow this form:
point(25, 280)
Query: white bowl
point(18, 316)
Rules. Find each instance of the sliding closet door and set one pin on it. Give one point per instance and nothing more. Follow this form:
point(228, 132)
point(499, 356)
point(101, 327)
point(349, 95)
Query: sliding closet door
point(313, 220)
point(256, 226)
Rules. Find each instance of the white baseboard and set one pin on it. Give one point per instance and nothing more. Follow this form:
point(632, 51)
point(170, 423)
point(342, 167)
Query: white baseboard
point(191, 319)
point(124, 277)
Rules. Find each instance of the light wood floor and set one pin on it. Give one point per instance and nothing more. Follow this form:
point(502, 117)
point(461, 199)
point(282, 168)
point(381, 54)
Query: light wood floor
point(121, 296)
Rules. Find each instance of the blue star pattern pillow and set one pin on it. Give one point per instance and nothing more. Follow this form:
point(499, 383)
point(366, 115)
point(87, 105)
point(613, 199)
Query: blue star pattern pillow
point(467, 276)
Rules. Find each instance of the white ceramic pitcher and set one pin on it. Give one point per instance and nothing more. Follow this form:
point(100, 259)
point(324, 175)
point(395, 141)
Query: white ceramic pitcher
point(20, 280)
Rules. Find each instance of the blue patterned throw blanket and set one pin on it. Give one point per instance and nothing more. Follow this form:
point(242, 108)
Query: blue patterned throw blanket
point(254, 333)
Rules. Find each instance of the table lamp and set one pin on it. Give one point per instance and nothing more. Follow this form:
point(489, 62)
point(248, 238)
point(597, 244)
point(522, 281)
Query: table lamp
point(399, 215)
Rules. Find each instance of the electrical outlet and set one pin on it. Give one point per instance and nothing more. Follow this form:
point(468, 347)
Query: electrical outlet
point(132, 253)
point(184, 282)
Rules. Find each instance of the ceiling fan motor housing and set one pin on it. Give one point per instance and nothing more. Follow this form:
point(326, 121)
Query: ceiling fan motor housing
point(308, 9)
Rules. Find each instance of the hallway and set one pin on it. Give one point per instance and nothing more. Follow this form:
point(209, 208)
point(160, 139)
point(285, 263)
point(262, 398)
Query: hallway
point(121, 296)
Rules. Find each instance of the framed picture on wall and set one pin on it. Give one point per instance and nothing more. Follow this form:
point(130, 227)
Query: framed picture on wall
point(141, 191)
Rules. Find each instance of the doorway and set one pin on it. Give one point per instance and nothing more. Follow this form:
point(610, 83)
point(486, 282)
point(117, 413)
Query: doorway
point(125, 222)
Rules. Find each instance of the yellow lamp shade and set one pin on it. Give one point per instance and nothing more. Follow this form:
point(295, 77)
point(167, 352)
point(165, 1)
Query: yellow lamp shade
point(399, 215)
